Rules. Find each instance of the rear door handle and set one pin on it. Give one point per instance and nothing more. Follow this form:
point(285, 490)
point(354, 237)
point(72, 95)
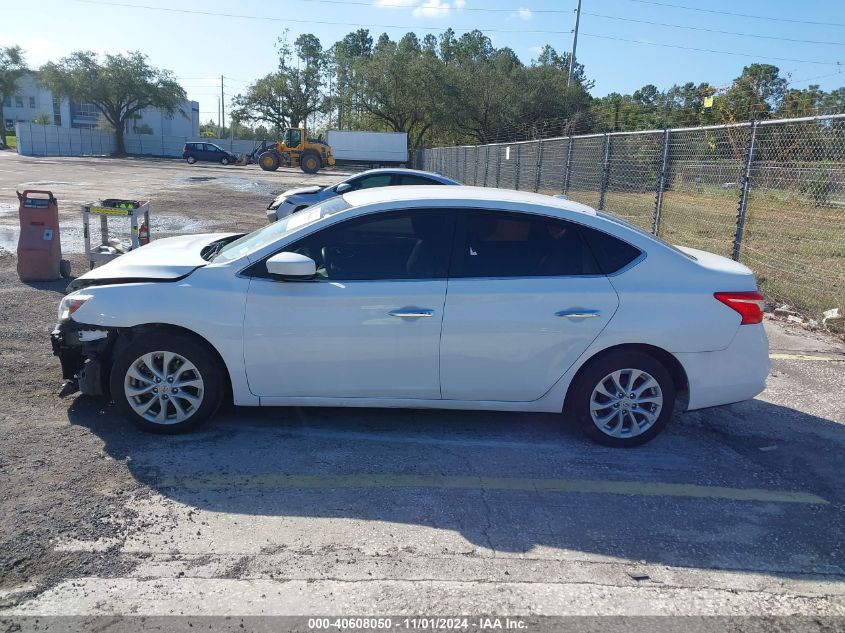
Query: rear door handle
point(579, 314)
point(411, 313)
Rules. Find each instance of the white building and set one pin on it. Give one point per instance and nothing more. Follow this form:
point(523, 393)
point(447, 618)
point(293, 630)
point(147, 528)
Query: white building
point(31, 100)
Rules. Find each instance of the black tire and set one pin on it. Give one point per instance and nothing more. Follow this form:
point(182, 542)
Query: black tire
point(309, 162)
point(190, 349)
point(269, 161)
point(64, 268)
point(191, 160)
point(581, 392)
point(225, 160)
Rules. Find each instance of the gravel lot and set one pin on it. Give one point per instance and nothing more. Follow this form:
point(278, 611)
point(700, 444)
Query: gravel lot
point(737, 510)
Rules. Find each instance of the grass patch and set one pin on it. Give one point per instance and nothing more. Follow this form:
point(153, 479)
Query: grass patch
point(11, 141)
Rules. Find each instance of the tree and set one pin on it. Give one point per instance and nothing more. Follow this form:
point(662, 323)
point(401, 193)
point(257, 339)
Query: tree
point(755, 94)
point(12, 68)
point(290, 95)
point(42, 118)
point(119, 87)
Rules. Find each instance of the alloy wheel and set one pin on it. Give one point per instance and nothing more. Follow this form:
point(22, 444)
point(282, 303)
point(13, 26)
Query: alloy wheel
point(626, 403)
point(164, 387)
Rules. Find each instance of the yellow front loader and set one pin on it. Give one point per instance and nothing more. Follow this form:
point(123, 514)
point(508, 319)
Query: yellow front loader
point(296, 150)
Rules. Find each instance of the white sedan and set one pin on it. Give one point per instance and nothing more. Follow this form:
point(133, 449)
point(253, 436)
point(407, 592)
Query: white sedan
point(420, 297)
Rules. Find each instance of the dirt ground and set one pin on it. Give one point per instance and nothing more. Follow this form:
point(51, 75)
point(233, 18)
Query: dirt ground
point(732, 511)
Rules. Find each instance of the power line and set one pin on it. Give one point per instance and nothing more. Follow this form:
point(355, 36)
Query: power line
point(481, 9)
point(700, 28)
point(412, 28)
point(711, 50)
point(326, 22)
point(738, 15)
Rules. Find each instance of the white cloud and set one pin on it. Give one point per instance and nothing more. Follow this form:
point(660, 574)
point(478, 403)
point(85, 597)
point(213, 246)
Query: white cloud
point(525, 14)
point(394, 4)
point(423, 8)
point(432, 9)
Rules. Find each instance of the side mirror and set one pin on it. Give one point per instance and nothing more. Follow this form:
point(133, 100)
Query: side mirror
point(291, 267)
point(343, 187)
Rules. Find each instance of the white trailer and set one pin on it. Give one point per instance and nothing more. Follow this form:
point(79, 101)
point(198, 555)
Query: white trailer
point(375, 148)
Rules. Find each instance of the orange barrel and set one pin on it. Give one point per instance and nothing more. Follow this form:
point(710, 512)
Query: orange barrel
point(39, 248)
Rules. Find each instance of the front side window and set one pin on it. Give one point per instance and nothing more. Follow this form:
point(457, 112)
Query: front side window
point(521, 245)
point(370, 182)
point(394, 245)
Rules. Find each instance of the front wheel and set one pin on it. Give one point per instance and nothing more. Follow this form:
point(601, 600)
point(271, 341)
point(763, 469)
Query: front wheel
point(224, 160)
point(269, 161)
point(167, 383)
point(310, 163)
point(623, 399)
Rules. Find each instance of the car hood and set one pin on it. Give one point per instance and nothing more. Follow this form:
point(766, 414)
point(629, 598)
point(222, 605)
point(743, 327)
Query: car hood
point(303, 190)
point(167, 259)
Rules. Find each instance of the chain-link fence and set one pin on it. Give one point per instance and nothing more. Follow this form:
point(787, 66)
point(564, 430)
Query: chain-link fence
point(769, 193)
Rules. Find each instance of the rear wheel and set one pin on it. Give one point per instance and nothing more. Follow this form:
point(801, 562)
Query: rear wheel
point(191, 160)
point(269, 161)
point(167, 383)
point(310, 163)
point(623, 399)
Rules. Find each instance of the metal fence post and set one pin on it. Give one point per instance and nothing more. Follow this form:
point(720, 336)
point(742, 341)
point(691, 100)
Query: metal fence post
point(538, 165)
point(605, 171)
point(568, 167)
point(743, 198)
point(661, 185)
point(498, 165)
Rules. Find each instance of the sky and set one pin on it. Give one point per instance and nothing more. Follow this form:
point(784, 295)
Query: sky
point(623, 44)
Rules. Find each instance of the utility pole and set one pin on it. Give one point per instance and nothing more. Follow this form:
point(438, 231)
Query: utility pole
point(574, 44)
point(219, 127)
point(223, 107)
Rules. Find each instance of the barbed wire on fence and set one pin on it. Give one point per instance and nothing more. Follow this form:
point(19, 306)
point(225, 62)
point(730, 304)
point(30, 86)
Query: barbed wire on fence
point(770, 194)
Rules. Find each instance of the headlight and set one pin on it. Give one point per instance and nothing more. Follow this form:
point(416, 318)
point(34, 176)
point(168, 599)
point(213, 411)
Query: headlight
point(71, 304)
point(279, 201)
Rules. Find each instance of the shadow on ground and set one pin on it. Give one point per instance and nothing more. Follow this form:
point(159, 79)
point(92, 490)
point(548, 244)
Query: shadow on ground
point(239, 464)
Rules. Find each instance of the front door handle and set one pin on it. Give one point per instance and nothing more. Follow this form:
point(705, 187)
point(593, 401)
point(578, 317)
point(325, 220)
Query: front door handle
point(411, 313)
point(579, 314)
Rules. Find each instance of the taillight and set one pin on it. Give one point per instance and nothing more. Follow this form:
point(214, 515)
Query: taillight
point(749, 305)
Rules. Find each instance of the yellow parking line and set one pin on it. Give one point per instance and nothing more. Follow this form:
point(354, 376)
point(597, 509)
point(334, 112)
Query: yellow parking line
point(810, 357)
point(468, 482)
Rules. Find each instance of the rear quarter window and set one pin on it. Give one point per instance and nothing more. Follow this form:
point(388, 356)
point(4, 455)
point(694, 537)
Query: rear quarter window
point(611, 254)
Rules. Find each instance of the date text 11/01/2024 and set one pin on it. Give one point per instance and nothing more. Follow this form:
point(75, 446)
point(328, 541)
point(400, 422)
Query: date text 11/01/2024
point(419, 623)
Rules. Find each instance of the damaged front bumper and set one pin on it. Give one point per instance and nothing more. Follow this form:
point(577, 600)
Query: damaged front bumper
point(83, 352)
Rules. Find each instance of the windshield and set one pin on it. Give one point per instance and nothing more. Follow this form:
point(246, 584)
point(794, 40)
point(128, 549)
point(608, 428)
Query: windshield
point(256, 240)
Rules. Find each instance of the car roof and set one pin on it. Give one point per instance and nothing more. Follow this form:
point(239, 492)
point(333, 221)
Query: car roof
point(461, 196)
point(403, 170)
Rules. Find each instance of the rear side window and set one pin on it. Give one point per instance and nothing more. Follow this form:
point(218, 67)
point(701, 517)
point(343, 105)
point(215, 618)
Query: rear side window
point(611, 254)
point(521, 245)
point(416, 180)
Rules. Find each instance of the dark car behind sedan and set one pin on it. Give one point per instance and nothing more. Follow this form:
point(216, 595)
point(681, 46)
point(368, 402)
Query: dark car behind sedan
point(209, 152)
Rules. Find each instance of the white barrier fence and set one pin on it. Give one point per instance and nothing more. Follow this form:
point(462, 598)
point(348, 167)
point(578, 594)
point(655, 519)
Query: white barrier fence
point(52, 140)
